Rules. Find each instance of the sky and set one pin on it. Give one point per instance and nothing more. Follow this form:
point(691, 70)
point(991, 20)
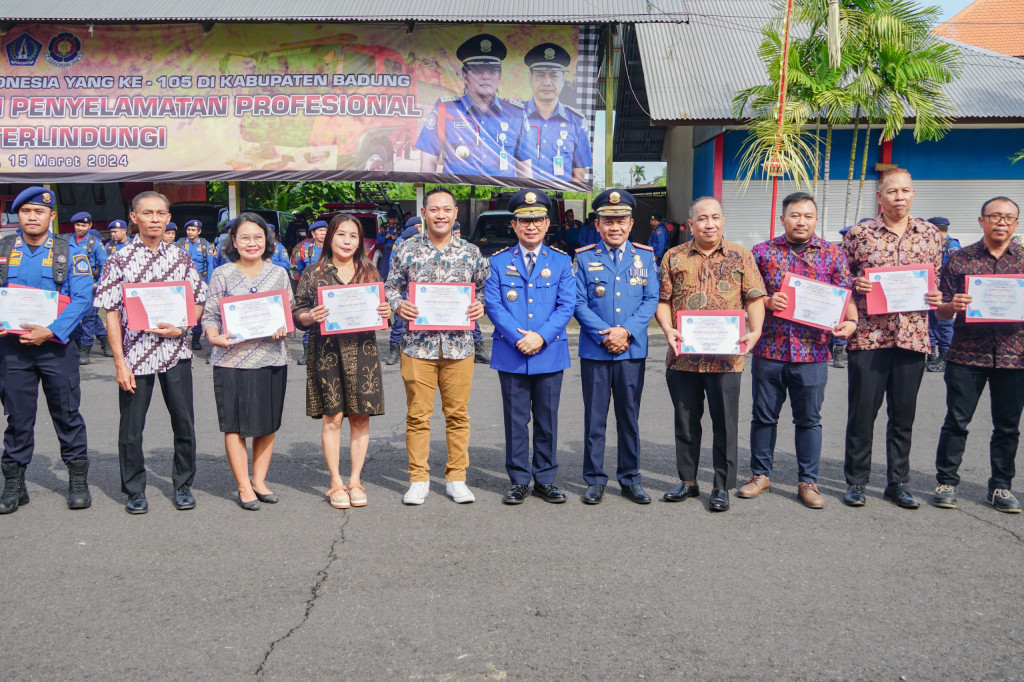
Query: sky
point(653, 170)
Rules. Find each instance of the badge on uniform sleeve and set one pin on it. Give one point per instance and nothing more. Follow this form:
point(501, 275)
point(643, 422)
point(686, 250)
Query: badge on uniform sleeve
point(81, 265)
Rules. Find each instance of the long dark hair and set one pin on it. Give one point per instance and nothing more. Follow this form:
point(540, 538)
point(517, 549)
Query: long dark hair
point(365, 272)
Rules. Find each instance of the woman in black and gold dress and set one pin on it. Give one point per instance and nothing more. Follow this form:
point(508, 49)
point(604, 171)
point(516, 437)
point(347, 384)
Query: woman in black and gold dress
point(343, 370)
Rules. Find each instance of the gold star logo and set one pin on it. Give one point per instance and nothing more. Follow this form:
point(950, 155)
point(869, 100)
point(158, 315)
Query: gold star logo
point(45, 196)
point(615, 197)
point(530, 198)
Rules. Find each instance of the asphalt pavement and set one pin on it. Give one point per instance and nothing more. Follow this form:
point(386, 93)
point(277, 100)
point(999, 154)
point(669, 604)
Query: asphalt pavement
point(299, 590)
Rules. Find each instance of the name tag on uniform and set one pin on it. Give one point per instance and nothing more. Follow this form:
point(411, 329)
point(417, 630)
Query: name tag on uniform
point(47, 262)
point(15, 259)
point(512, 273)
point(594, 268)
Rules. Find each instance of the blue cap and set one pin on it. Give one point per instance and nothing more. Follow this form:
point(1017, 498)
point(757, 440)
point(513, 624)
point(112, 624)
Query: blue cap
point(655, 216)
point(82, 217)
point(412, 230)
point(272, 227)
point(171, 227)
point(39, 196)
point(415, 220)
point(614, 202)
point(317, 225)
point(529, 203)
point(197, 223)
point(939, 221)
point(547, 56)
point(481, 49)
point(117, 225)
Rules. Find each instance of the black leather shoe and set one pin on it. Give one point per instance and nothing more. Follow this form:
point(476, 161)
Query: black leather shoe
point(854, 496)
point(945, 496)
point(183, 498)
point(516, 494)
point(268, 499)
point(1003, 500)
point(719, 500)
point(549, 493)
point(900, 494)
point(681, 492)
point(252, 505)
point(594, 494)
point(137, 504)
point(636, 493)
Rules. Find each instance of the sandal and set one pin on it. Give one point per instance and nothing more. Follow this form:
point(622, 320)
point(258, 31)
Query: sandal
point(338, 497)
point(358, 495)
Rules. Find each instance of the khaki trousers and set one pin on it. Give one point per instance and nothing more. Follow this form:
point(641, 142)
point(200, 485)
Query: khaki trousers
point(422, 379)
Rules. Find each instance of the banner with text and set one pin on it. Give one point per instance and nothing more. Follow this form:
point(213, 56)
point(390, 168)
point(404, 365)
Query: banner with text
point(503, 104)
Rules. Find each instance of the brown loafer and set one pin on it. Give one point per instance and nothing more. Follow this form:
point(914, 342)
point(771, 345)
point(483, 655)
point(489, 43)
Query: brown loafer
point(757, 484)
point(810, 496)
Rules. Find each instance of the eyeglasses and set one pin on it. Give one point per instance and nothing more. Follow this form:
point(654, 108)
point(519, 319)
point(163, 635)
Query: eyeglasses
point(999, 218)
point(536, 222)
point(250, 239)
point(150, 214)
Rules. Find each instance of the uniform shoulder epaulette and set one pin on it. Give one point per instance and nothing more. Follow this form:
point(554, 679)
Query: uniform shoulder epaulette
point(585, 248)
point(450, 98)
point(515, 102)
point(645, 247)
point(501, 251)
point(555, 248)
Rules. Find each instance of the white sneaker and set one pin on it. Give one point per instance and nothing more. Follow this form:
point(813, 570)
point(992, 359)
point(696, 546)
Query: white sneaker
point(417, 493)
point(458, 491)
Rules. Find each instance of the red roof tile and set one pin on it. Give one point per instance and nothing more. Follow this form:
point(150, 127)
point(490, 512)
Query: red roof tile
point(996, 25)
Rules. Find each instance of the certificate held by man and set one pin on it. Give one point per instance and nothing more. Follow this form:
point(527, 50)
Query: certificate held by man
point(151, 304)
point(900, 288)
point(21, 305)
point(256, 316)
point(813, 303)
point(994, 298)
point(352, 308)
point(711, 332)
point(441, 305)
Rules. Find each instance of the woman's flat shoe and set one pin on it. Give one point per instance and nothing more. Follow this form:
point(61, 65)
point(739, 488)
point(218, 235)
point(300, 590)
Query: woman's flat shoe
point(357, 495)
point(269, 498)
point(338, 497)
point(253, 505)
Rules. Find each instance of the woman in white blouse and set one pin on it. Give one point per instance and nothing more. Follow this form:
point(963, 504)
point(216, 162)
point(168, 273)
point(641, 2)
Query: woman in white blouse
point(249, 376)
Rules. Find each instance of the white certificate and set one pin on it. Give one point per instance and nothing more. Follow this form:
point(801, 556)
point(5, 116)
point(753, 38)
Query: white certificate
point(352, 308)
point(150, 304)
point(253, 316)
point(26, 305)
point(813, 303)
point(710, 332)
point(899, 289)
point(995, 299)
point(441, 306)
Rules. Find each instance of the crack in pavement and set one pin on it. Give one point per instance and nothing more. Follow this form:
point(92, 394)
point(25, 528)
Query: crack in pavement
point(314, 594)
point(993, 524)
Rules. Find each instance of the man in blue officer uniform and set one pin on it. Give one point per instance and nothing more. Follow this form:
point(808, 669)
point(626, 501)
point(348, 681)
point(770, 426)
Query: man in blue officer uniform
point(588, 234)
point(658, 240)
point(44, 355)
point(478, 133)
point(940, 332)
point(91, 327)
point(202, 255)
point(616, 296)
point(118, 236)
point(530, 297)
point(170, 233)
point(309, 253)
point(563, 146)
point(280, 256)
point(386, 238)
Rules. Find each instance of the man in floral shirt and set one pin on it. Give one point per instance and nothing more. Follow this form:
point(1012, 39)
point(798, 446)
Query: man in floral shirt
point(887, 352)
point(707, 273)
point(982, 353)
point(791, 356)
point(436, 359)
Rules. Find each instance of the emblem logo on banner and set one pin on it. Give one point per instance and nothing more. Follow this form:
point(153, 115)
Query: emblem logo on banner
point(23, 50)
point(65, 50)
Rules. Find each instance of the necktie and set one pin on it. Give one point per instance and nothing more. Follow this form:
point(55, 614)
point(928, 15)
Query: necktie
point(530, 256)
point(615, 257)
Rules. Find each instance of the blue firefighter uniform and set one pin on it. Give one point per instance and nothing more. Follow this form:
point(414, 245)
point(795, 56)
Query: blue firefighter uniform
point(539, 299)
point(658, 240)
point(614, 288)
point(113, 247)
point(280, 256)
point(91, 327)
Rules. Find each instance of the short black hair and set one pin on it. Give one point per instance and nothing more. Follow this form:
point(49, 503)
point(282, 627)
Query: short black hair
point(440, 189)
point(985, 205)
point(796, 198)
point(149, 195)
point(229, 246)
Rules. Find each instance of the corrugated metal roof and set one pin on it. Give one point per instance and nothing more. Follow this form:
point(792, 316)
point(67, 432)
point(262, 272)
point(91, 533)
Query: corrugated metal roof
point(527, 11)
point(694, 69)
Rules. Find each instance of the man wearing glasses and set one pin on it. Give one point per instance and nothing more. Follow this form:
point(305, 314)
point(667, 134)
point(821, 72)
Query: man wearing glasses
point(530, 297)
point(478, 133)
point(563, 147)
point(982, 353)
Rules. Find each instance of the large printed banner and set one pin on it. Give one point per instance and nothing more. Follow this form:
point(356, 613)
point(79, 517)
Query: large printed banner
point(482, 104)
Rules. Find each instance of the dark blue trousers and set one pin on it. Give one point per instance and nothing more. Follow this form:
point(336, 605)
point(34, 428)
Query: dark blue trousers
point(22, 370)
point(89, 328)
point(396, 330)
point(805, 382)
point(603, 380)
point(522, 394)
point(940, 332)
